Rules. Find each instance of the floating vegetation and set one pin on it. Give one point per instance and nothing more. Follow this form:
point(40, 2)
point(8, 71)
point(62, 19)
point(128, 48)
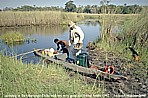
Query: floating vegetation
point(12, 37)
point(16, 38)
point(28, 40)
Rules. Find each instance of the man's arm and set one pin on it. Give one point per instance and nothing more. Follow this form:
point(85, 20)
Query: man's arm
point(58, 47)
point(71, 37)
point(77, 34)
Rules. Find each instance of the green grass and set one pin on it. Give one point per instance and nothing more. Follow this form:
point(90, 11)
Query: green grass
point(133, 29)
point(12, 37)
point(133, 32)
point(28, 79)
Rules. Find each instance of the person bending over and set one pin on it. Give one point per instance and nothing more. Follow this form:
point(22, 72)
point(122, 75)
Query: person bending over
point(62, 46)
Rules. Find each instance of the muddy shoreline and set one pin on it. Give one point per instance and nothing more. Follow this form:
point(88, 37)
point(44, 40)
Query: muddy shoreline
point(137, 82)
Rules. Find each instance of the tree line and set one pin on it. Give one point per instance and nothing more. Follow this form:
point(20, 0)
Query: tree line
point(71, 7)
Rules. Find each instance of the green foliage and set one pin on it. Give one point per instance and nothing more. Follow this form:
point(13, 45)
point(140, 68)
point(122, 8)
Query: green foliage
point(12, 37)
point(70, 7)
point(87, 9)
point(133, 33)
point(27, 79)
point(105, 7)
point(135, 30)
point(34, 8)
point(131, 9)
point(26, 8)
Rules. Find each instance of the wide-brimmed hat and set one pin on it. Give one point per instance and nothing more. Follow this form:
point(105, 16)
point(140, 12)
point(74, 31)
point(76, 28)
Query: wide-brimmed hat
point(71, 24)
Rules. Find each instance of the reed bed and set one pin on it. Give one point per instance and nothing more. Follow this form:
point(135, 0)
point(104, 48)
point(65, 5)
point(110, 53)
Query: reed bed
point(28, 18)
point(12, 18)
point(12, 37)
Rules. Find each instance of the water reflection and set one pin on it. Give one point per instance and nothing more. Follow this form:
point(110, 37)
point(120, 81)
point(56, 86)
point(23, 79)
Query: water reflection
point(14, 44)
point(43, 30)
point(91, 23)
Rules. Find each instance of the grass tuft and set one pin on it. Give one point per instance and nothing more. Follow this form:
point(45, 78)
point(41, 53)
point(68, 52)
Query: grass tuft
point(28, 79)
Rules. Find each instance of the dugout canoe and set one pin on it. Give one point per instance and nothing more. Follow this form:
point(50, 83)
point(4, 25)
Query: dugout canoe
point(76, 68)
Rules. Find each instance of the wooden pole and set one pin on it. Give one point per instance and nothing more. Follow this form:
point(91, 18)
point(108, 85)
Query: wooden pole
point(23, 54)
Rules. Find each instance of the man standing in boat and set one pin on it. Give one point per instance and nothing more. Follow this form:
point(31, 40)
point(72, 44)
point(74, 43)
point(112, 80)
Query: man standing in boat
point(76, 35)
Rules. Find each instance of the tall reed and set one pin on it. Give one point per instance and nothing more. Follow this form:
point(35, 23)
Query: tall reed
point(12, 18)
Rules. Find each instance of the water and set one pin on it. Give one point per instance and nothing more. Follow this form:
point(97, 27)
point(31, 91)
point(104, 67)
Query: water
point(44, 36)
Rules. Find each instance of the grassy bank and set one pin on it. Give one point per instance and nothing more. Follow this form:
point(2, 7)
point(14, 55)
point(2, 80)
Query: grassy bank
point(113, 48)
point(133, 33)
point(12, 18)
point(27, 79)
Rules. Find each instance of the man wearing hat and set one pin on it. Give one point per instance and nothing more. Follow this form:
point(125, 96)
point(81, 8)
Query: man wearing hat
point(76, 34)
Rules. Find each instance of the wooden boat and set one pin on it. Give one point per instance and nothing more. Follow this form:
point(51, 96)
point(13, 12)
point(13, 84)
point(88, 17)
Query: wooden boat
point(76, 68)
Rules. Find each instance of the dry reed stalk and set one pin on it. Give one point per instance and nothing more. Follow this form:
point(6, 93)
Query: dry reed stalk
point(13, 18)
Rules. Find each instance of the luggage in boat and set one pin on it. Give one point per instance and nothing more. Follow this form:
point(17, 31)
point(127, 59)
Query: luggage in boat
point(61, 56)
point(83, 60)
point(78, 46)
point(70, 60)
point(50, 53)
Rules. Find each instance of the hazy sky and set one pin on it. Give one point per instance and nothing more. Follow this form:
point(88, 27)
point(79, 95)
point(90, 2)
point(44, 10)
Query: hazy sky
point(43, 3)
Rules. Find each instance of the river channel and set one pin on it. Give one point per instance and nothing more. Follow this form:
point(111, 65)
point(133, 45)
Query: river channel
point(42, 37)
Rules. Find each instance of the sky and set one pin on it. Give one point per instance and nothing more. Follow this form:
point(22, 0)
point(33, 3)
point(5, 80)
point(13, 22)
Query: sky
point(61, 3)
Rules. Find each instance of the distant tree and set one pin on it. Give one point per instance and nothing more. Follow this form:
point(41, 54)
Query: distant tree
point(125, 9)
point(70, 7)
point(104, 4)
point(111, 9)
point(80, 9)
point(119, 10)
point(125, 4)
point(27, 8)
point(94, 9)
point(136, 9)
point(87, 9)
point(34, 7)
point(8, 9)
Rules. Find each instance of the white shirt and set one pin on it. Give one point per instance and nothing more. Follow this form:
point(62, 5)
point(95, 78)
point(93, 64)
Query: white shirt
point(78, 30)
